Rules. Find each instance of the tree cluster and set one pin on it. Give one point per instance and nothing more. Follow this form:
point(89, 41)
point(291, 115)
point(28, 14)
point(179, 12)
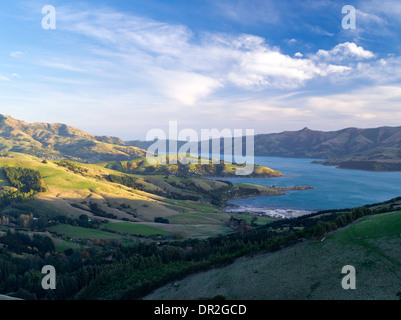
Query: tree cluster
point(25, 180)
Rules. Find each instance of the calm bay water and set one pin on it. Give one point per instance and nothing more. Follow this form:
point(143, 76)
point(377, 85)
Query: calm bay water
point(333, 188)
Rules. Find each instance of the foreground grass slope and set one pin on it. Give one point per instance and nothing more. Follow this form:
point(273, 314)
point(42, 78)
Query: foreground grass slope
point(310, 270)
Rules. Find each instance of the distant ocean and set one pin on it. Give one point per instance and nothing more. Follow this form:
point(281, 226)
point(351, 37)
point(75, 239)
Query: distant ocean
point(333, 188)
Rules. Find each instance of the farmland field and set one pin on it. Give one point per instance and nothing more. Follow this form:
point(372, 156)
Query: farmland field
point(136, 229)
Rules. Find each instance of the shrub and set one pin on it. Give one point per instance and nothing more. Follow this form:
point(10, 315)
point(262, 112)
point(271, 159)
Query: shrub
point(161, 220)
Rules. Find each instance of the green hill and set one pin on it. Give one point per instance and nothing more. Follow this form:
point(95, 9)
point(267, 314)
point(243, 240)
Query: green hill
point(89, 191)
point(195, 168)
point(59, 141)
point(309, 270)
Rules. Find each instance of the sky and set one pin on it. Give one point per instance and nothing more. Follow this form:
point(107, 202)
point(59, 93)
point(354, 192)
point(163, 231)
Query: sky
point(122, 68)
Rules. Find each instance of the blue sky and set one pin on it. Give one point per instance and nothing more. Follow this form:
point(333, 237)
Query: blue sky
point(122, 68)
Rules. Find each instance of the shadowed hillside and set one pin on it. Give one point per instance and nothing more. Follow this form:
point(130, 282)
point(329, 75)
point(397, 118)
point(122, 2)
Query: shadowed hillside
point(309, 270)
point(333, 144)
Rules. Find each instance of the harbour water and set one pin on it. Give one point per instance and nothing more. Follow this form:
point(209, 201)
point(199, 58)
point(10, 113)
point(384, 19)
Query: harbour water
point(333, 188)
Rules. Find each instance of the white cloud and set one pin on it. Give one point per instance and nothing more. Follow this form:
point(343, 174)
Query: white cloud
point(186, 87)
point(386, 8)
point(264, 67)
point(366, 107)
point(344, 51)
point(365, 18)
point(190, 67)
point(126, 32)
point(16, 54)
point(267, 68)
point(386, 70)
point(374, 105)
point(319, 31)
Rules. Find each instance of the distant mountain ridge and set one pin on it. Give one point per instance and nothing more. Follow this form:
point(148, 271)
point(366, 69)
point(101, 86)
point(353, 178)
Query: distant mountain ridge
point(377, 149)
point(374, 149)
point(59, 141)
point(332, 144)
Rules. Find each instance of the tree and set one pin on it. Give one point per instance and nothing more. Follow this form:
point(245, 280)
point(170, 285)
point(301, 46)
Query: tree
point(183, 170)
point(220, 169)
point(320, 229)
point(85, 255)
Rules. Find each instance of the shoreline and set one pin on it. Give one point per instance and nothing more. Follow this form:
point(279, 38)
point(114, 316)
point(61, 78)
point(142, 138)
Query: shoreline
point(269, 193)
point(266, 211)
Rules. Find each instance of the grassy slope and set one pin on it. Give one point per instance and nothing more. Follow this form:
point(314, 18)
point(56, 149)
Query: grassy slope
point(310, 270)
point(66, 188)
